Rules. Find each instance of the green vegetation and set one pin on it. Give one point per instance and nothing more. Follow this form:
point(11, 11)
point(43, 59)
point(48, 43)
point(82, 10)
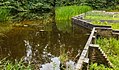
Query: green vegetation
point(63, 56)
point(20, 10)
point(111, 48)
point(36, 9)
point(95, 66)
point(103, 4)
point(25, 9)
point(66, 12)
point(17, 65)
point(96, 16)
point(113, 25)
point(104, 17)
point(4, 14)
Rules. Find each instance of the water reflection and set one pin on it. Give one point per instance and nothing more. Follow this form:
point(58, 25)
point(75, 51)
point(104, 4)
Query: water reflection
point(39, 46)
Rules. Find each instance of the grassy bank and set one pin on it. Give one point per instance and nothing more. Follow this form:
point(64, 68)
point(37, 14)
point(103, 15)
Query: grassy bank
point(66, 12)
point(111, 48)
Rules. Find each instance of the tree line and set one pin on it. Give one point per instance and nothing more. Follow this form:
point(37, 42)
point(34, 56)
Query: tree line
point(39, 7)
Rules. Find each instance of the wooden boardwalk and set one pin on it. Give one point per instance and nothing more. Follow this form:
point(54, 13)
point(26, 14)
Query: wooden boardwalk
point(84, 54)
point(89, 54)
point(92, 52)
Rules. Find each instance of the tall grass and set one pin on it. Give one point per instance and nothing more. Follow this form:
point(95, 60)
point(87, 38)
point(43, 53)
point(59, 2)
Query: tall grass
point(66, 12)
point(111, 48)
point(17, 65)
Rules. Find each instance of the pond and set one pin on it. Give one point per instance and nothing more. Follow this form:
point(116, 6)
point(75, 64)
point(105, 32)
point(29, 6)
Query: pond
point(39, 45)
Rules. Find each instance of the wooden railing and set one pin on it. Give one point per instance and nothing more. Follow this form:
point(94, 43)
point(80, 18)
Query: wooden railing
point(84, 55)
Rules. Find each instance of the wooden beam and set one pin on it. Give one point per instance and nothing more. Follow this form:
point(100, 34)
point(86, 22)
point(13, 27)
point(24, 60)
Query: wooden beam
point(86, 60)
point(94, 45)
point(94, 37)
point(85, 51)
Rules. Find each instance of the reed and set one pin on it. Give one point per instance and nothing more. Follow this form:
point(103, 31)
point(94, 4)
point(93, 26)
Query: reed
point(66, 12)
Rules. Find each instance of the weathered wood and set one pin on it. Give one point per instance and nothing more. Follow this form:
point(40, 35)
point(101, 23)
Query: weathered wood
point(85, 51)
point(94, 37)
point(94, 45)
point(86, 60)
point(83, 23)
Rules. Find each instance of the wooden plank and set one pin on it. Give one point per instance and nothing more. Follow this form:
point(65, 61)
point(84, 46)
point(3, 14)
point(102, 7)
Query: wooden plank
point(86, 60)
point(85, 51)
point(94, 37)
point(94, 45)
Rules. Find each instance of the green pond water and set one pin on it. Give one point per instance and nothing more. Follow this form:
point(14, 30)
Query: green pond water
point(33, 43)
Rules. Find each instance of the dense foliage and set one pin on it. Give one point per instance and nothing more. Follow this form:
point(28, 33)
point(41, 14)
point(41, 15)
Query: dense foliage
point(103, 4)
point(95, 4)
point(34, 9)
point(111, 48)
point(67, 2)
point(25, 9)
point(27, 5)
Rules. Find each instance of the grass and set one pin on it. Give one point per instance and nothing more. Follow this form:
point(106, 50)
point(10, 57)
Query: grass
point(95, 66)
point(111, 48)
point(101, 16)
point(113, 25)
point(66, 12)
point(63, 55)
point(17, 65)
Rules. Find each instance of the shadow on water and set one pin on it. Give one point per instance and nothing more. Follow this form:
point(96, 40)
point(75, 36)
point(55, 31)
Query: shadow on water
point(39, 45)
